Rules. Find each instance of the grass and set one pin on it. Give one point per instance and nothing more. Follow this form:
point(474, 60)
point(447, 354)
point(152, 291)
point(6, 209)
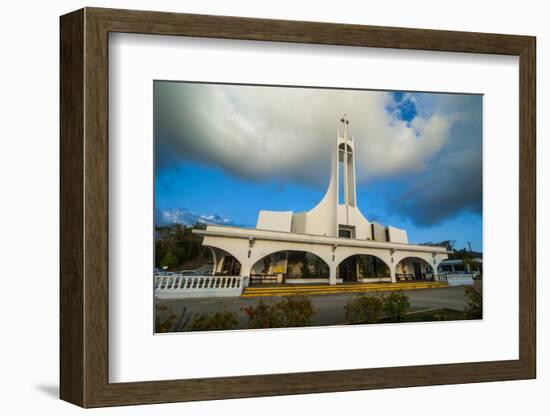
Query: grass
point(443, 314)
point(433, 315)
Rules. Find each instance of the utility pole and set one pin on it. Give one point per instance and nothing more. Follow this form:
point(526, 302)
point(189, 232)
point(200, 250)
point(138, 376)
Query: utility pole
point(470, 245)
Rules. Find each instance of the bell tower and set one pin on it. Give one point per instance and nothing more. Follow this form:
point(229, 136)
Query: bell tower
point(345, 171)
point(337, 215)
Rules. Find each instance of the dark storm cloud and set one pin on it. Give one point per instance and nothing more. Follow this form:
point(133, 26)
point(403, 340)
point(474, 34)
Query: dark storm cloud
point(453, 184)
point(455, 189)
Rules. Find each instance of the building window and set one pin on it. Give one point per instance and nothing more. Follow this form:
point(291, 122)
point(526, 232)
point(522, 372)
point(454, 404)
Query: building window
point(345, 231)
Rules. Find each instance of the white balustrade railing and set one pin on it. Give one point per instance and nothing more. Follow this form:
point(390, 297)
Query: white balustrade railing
point(176, 286)
point(457, 279)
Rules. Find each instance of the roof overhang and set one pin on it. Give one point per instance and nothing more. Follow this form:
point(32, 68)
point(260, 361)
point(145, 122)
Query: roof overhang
point(269, 235)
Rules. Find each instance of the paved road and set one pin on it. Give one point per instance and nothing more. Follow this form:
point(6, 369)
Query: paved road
point(330, 308)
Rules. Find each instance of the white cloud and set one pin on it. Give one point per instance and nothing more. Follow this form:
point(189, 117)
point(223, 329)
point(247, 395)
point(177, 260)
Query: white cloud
point(286, 133)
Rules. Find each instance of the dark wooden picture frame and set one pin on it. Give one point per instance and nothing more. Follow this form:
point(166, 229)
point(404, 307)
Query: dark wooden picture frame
point(84, 207)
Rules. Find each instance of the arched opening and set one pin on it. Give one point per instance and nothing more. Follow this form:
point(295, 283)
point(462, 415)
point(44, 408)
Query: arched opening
point(362, 266)
point(224, 263)
point(413, 268)
point(230, 266)
point(289, 267)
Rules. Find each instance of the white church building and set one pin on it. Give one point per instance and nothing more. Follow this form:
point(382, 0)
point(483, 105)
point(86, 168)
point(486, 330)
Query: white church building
point(332, 243)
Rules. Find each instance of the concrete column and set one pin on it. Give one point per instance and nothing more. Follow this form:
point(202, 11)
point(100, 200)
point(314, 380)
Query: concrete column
point(332, 278)
point(219, 267)
point(246, 268)
point(245, 273)
point(286, 265)
point(392, 274)
point(214, 260)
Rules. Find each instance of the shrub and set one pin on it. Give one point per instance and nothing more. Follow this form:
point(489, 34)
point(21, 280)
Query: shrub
point(217, 321)
point(396, 305)
point(438, 317)
point(363, 309)
point(165, 319)
point(474, 309)
point(263, 315)
point(296, 310)
point(292, 311)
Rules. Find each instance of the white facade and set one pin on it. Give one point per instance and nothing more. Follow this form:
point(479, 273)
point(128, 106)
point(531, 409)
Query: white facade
point(334, 230)
point(275, 220)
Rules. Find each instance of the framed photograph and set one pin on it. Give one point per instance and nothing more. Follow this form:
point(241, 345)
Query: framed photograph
point(254, 207)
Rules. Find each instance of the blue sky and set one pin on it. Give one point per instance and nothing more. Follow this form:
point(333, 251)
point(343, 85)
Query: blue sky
point(231, 150)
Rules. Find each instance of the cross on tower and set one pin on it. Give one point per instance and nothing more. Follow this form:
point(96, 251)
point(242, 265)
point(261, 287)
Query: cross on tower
point(345, 121)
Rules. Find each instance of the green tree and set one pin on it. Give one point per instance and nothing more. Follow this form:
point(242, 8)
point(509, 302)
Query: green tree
point(467, 261)
point(169, 260)
point(160, 252)
point(180, 241)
